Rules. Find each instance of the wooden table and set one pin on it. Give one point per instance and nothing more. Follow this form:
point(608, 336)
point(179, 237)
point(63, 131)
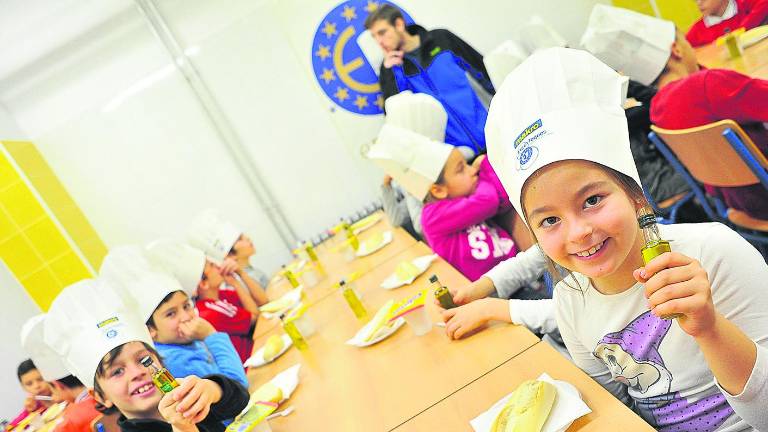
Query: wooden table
point(753, 62)
point(454, 412)
point(379, 387)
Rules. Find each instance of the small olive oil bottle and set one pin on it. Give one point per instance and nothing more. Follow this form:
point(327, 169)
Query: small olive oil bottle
point(290, 277)
point(654, 245)
point(163, 379)
point(441, 293)
point(352, 299)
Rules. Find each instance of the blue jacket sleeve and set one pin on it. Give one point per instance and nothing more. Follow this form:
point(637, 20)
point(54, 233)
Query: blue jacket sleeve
point(226, 358)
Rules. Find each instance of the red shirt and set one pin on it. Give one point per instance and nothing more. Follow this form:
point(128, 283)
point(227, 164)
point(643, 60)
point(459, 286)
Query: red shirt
point(77, 417)
point(228, 318)
point(716, 94)
point(749, 14)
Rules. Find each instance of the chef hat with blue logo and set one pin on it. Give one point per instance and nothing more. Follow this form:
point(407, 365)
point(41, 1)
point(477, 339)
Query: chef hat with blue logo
point(86, 321)
point(559, 104)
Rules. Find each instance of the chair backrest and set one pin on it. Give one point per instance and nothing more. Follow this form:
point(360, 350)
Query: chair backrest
point(709, 157)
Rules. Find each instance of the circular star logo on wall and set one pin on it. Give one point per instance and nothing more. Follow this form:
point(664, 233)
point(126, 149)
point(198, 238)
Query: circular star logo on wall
point(340, 66)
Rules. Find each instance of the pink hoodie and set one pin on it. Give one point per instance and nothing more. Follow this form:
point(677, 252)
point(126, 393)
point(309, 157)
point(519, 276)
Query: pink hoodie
point(459, 231)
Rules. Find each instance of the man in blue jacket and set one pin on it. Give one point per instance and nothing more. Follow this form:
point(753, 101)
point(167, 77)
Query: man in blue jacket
point(435, 62)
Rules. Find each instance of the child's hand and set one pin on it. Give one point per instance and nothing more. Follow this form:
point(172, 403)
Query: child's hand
point(194, 396)
point(675, 283)
point(196, 329)
point(476, 290)
point(478, 160)
point(463, 319)
point(229, 267)
point(168, 409)
point(30, 403)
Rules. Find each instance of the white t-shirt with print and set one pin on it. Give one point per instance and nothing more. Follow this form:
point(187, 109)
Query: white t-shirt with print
point(652, 364)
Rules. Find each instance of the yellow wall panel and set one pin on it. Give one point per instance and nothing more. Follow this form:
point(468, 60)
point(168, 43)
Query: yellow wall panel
point(59, 201)
point(21, 205)
point(45, 240)
point(20, 257)
point(43, 287)
point(8, 174)
point(682, 12)
point(7, 228)
point(642, 6)
point(69, 269)
point(48, 240)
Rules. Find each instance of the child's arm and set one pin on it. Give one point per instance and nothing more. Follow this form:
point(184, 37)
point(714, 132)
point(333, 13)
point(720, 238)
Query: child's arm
point(455, 214)
point(226, 358)
point(757, 16)
point(249, 304)
point(230, 267)
point(257, 292)
point(537, 315)
point(735, 96)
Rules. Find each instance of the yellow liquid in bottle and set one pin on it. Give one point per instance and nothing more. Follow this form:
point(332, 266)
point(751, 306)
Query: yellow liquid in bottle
point(311, 252)
point(295, 335)
point(651, 251)
point(164, 380)
point(291, 278)
point(354, 302)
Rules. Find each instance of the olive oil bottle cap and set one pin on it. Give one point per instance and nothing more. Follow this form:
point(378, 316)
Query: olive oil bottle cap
point(646, 220)
point(433, 279)
point(146, 361)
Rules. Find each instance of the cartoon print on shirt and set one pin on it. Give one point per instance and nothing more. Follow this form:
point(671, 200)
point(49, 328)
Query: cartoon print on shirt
point(632, 356)
point(478, 241)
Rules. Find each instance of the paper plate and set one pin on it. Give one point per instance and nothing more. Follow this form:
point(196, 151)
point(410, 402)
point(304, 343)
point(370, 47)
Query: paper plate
point(366, 222)
point(285, 303)
point(257, 359)
point(753, 36)
point(422, 263)
point(382, 334)
point(363, 250)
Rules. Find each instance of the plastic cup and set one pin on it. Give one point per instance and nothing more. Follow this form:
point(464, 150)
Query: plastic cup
point(305, 325)
point(418, 320)
point(349, 253)
point(310, 277)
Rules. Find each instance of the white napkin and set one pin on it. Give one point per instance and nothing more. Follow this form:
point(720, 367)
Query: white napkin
point(567, 408)
point(359, 338)
point(363, 250)
point(294, 297)
point(257, 359)
point(422, 263)
point(287, 380)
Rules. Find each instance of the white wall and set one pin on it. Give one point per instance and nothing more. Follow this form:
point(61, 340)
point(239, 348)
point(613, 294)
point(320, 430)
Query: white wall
point(11, 321)
point(9, 130)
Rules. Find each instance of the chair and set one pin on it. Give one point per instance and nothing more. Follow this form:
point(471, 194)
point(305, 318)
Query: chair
point(718, 154)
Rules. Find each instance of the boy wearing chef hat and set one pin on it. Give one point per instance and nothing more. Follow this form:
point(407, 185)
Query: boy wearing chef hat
point(81, 408)
point(557, 137)
point(228, 251)
point(188, 343)
point(101, 339)
point(459, 202)
point(650, 51)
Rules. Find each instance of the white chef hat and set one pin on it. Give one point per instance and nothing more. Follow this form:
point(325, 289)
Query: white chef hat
point(634, 44)
point(213, 235)
point(133, 278)
point(503, 59)
point(178, 259)
point(417, 112)
point(536, 34)
point(559, 104)
point(86, 321)
point(50, 365)
point(410, 145)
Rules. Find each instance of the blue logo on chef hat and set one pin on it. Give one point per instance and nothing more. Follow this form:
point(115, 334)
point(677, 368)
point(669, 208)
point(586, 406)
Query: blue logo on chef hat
point(111, 333)
point(338, 62)
point(527, 153)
